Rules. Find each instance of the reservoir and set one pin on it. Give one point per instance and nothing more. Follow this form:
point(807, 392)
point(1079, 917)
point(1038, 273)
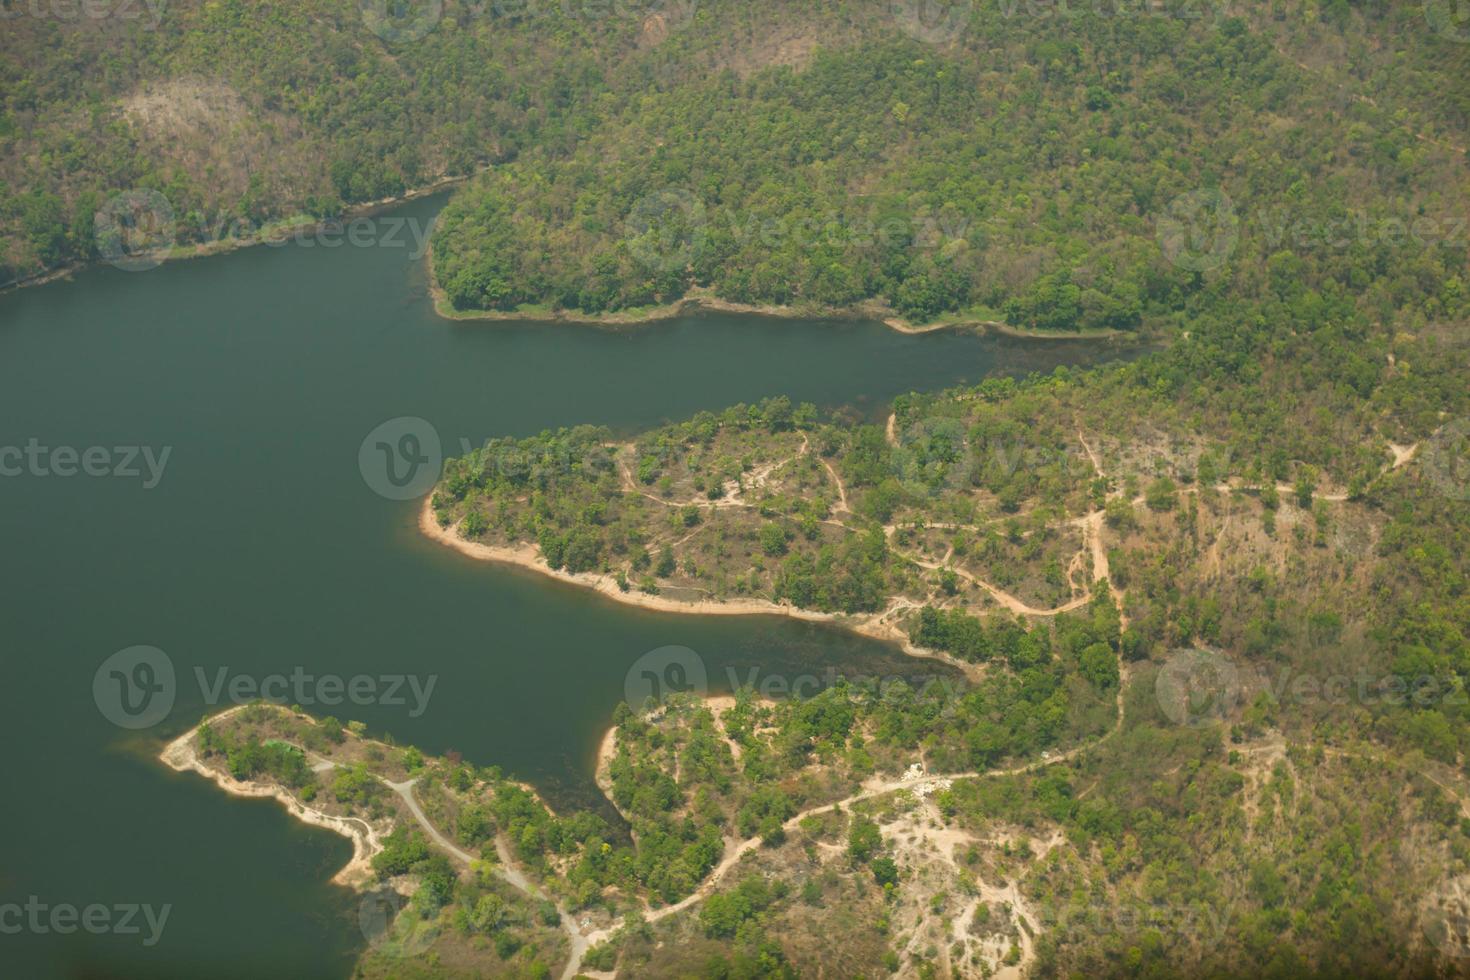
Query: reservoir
point(229, 523)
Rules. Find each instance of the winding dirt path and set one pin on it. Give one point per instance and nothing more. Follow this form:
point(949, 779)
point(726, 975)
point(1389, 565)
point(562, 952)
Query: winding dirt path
point(1096, 463)
point(733, 491)
point(879, 786)
point(1007, 600)
point(505, 870)
point(1092, 526)
point(405, 791)
point(841, 490)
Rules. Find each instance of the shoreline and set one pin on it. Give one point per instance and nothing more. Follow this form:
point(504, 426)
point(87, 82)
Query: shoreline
point(224, 246)
point(181, 755)
point(607, 751)
point(704, 301)
point(697, 300)
point(528, 557)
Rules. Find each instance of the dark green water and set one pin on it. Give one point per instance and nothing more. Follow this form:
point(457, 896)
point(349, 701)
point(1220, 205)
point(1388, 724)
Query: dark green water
point(263, 549)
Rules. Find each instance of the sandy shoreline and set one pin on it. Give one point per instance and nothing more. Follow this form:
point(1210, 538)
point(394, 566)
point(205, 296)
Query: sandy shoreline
point(696, 301)
point(704, 301)
point(607, 751)
point(527, 556)
point(182, 755)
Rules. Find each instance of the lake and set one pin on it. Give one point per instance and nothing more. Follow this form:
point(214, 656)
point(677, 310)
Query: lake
point(264, 552)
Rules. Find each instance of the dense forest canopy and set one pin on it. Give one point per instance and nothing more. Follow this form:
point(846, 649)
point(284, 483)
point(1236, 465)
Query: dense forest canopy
point(1033, 181)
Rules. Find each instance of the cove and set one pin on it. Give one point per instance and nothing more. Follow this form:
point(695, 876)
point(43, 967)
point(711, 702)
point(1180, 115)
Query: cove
point(263, 552)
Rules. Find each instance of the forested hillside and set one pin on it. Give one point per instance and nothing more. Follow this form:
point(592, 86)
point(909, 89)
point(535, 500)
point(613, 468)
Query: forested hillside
point(243, 112)
point(1007, 160)
point(1028, 172)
